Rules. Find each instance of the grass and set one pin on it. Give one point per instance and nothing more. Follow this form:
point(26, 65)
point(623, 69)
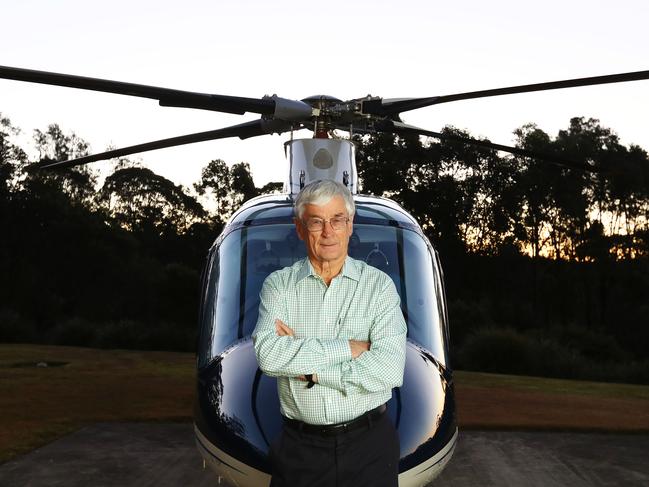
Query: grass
point(494, 401)
point(552, 386)
point(41, 404)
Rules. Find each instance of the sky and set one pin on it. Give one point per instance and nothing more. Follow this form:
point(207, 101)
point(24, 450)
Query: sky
point(346, 49)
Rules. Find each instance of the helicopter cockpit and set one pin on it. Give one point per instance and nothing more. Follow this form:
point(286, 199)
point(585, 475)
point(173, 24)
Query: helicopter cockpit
point(382, 237)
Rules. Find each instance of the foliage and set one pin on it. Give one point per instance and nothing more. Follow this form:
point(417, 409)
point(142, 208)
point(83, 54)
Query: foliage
point(473, 200)
point(541, 261)
point(140, 200)
point(230, 187)
point(115, 265)
point(78, 182)
point(505, 350)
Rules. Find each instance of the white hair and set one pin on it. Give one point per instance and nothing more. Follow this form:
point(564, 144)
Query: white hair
point(320, 192)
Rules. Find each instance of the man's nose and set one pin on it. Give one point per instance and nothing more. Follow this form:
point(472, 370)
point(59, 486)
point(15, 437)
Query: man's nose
point(327, 228)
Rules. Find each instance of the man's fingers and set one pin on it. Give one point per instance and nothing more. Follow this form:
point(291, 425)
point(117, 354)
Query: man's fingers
point(358, 347)
point(283, 329)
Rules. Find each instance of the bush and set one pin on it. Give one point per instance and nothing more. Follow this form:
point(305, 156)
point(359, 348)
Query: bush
point(504, 350)
point(466, 317)
point(73, 331)
point(570, 353)
point(172, 336)
point(138, 335)
point(595, 345)
point(127, 334)
point(15, 328)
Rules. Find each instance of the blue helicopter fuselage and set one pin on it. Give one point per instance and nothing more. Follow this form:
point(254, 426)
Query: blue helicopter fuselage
point(237, 411)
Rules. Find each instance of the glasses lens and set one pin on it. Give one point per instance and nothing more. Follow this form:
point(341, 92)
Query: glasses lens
point(338, 223)
point(317, 224)
point(314, 224)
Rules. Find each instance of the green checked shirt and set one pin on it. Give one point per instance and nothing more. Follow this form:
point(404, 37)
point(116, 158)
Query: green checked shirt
point(361, 303)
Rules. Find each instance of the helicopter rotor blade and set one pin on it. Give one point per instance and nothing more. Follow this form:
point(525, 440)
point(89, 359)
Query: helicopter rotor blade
point(402, 128)
point(243, 131)
point(275, 106)
point(392, 107)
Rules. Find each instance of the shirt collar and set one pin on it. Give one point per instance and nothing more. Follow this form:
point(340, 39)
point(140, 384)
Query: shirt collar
point(350, 270)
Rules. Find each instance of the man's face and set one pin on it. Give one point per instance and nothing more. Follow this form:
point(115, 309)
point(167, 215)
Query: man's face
point(327, 245)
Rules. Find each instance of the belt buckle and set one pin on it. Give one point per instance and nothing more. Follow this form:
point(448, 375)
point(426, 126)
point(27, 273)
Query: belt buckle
point(344, 428)
point(334, 429)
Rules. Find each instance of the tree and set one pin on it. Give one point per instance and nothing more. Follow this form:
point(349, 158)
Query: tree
point(243, 187)
point(216, 182)
point(77, 182)
point(452, 189)
point(230, 187)
point(12, 158)
point(140, 200)
point(533, 181)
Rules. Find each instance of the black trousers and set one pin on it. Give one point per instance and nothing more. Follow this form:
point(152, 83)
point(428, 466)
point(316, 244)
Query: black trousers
point(366, 457)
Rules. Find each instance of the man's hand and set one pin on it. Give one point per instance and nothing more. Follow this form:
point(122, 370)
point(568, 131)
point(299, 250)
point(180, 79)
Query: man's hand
point(303, 378)
point(358, 347)
point(283, 329)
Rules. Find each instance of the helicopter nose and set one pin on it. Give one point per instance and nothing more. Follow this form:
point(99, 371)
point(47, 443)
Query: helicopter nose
point(237, 416)
point(237, 412)
point(423, 411)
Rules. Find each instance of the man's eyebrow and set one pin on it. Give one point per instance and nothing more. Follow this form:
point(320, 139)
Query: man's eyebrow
point(320, 217)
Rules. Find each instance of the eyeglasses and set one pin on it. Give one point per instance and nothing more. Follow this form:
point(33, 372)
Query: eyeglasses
point(317, 224)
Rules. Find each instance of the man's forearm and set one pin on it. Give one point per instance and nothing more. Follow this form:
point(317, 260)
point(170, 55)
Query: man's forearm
point(289, 356)
point(380, 368)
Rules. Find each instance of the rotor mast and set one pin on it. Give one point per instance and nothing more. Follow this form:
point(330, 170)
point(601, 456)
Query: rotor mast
point(322, 157)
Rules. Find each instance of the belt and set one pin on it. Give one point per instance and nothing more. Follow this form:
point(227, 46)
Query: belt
point(339, 428)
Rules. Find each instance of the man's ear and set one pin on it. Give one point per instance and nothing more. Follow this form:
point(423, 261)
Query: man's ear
point(299, 228)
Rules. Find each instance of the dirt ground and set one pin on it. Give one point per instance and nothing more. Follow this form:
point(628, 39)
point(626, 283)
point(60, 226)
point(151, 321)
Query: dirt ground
point(506, 409)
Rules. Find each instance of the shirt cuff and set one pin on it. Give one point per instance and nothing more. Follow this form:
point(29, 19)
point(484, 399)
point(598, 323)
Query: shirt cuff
point(338, 351)
point(331, 377)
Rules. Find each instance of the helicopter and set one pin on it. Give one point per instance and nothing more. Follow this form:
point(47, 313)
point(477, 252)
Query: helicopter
point(237, 408)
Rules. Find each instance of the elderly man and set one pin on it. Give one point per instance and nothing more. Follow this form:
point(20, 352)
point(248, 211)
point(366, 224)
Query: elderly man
point(331, 330)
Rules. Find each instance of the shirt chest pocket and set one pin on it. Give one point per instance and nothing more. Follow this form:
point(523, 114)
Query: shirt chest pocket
point(355, 326)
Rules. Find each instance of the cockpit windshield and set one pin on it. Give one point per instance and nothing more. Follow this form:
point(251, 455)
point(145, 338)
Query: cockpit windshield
point(247, 255)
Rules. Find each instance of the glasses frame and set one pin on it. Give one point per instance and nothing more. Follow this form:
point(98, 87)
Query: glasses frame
point(324, 223)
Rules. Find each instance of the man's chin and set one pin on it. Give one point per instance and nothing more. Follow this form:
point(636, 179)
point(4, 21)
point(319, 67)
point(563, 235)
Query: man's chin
point(331, 255)
point(333, 250)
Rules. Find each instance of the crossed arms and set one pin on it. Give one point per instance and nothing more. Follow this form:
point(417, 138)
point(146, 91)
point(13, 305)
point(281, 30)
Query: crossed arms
point(339, 363)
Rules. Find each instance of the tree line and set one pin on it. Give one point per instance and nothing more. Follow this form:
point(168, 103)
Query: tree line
point(541, 261)
point(546, 266)
point(114, 263)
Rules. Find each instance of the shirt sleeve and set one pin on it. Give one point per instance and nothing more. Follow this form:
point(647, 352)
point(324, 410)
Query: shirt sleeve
point(381, 367)
point(287, 356)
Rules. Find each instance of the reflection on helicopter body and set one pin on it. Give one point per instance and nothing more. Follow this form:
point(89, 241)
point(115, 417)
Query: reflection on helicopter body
point(237, 412)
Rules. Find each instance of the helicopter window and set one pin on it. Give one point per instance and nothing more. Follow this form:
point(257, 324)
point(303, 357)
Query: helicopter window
point(247, 255)
point(247, 214)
